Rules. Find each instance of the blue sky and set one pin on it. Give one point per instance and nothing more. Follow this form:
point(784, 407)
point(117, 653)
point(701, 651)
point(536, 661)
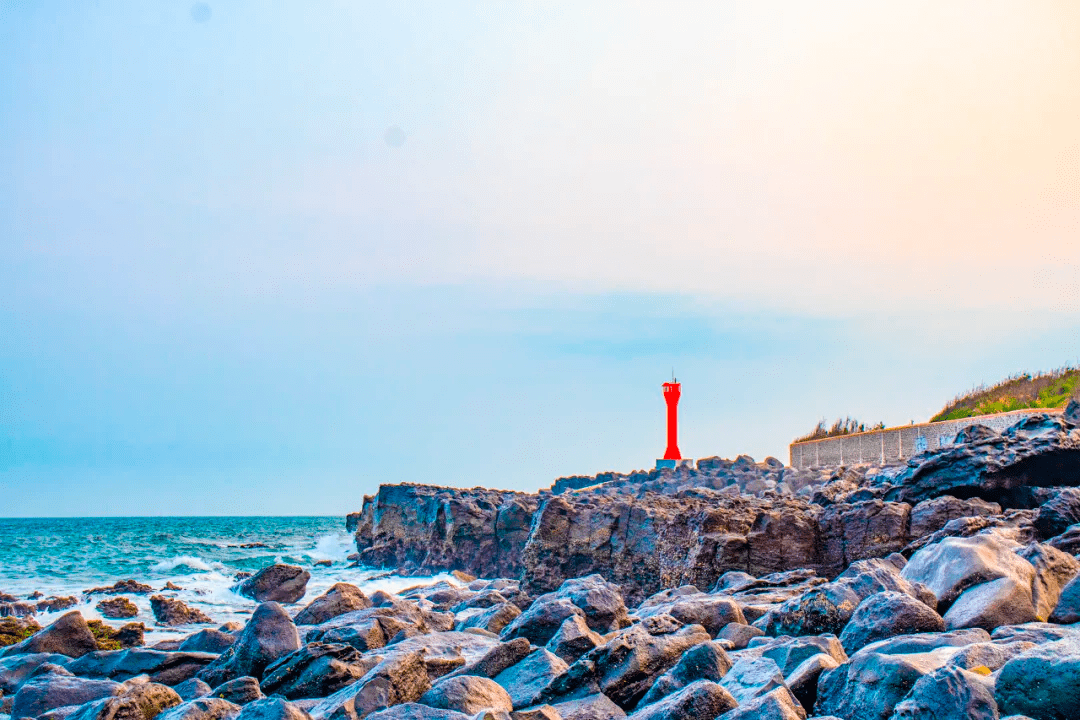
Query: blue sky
point(224, 291)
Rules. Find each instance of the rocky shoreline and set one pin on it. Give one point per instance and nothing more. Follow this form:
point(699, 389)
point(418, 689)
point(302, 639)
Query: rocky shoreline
point(947, 587)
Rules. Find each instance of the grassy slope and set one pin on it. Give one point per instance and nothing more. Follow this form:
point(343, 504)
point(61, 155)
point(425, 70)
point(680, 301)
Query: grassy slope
point(1048, 390)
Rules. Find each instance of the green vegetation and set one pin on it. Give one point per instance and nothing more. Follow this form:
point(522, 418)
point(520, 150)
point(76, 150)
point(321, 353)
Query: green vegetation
point(1046, 390)
point(104, 635)
point(14, 630)
point(846, 426)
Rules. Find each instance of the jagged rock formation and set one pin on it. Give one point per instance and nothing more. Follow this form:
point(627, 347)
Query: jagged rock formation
point(649, 530)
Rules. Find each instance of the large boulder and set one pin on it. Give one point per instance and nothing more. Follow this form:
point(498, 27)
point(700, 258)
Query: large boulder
point(1067, 610)
point(268, 636)
point(69, 635)
point(525, 681)
point(931, 515)
point(1053, 571)
point(191, 689)
point(1043, 682)
point(496, 659)
point(949, 693)
point(399, 679)
point(17, 669)
point(955, 564)
point(573, 639)
point(167, 668)
point(1004, 601)
point(240, 691)
point(272, 709)
point(141, 701)
point(706, 661)
point(467, 694)
point(751, 677)
point(1059, 512)
point(712, 612)
point(886, 614)
point(627, 665)
point(316, 670)
point(777, 704)
point(338, 600)
point(601, 601)
point(541, 621)
point(203, 708)
point(597, 706)
point(170, 611)
point(209, 640)
point(275, 583)
point(699, 699)
point(58, 689)
point(492, 619)
point(416, 711)
point(872, 684)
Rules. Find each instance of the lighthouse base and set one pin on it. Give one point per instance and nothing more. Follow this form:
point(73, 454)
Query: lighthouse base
point(672, 464)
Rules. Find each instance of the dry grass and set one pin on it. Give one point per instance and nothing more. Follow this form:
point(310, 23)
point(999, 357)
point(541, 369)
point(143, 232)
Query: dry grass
point(1051, 389)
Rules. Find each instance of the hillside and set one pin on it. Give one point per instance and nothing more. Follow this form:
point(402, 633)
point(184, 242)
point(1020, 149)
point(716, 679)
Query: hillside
point(1045, 390)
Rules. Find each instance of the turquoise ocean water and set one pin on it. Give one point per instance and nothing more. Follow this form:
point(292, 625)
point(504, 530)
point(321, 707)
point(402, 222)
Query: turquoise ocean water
point(66, 556)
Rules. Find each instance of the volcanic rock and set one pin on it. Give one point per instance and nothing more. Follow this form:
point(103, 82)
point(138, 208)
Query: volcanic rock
point(316, 670)
point(58, 689)
point(467, 694)
point(167, 668)
point(275, 583)
point(119, 607)
point(706, 661)
point(699, 699)
point(338, 600)
point(204, 708)
point(268, 636)
point(170, 611)
point(124, 586)
point(1043, 682)
point(69, 635)
point(143, 701)
point(886, 614)
point(526, 680)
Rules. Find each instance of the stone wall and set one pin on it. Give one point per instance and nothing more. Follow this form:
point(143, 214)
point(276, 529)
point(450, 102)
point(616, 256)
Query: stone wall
point(893, 444)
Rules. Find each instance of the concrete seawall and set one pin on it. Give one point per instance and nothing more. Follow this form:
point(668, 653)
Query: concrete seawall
point(895, 443)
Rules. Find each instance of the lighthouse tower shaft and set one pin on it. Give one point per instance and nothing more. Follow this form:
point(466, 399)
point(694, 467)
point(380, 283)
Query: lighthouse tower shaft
point(672, 393)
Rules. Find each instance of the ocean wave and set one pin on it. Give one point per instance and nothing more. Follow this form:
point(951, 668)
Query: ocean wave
point(332, 546)
point(186, 561)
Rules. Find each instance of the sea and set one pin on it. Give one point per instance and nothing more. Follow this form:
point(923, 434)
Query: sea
point(202, 555)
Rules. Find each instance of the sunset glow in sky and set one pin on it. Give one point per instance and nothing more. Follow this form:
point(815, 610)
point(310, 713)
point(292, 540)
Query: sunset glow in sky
point(261, 257)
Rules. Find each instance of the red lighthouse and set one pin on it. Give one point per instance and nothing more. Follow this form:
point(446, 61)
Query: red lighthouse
point(671, 397)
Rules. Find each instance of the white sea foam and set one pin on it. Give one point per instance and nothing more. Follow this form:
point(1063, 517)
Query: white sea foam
point(332, 546)
point(185, 561)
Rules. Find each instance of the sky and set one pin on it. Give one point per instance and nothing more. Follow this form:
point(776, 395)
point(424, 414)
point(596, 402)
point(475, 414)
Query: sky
point(259, 258)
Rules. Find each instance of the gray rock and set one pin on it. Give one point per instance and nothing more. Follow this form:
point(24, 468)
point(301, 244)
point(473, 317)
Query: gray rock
point(341, 598)
point(201, 709)
point(591, 707)
point(887, 614)
point(1068, 541)
point(574, 639)
point(191, 689)
point(240, 691)
point(167, 668)
point(803, 680)
point(788, 653)
point(268, 636)
point(416, 711)
point(275, 583)
point(870, 686)
point(626, 666)
point(955, 564)
point(492, 619)
point(542, 620)
point(1067, 610)
point(1036, 632)
point(991, 655)
point(706, 661)
point(208, 641)
point(272, 709)
point(778, 704)
point(171, 611)
point(399, 679)
point(928, 642)
point(1043, 682)
point(316, 670)
point(1053, 571)
point(17, 669)
point(738, 634)
point(143, 701)
point(601, 601)
point(497, 659)
point(929, 516)
point(525, 681)
point(69, 635)
point(752, 677)
point(53, 690)
point(699, 699)
point(949, 693)
point(1056, 515)
point(712, 612)
point(1004, 601)
point(467, 694)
